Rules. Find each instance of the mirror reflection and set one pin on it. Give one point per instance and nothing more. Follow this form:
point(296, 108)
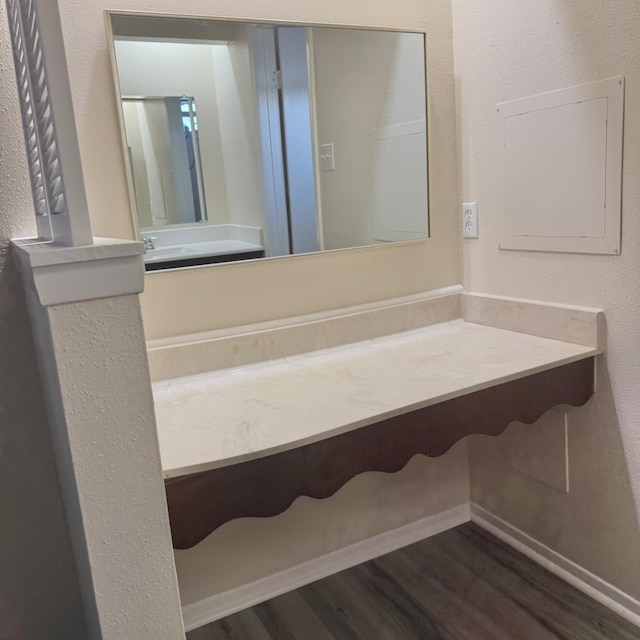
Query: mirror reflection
point(255, 140)
point(164, 158)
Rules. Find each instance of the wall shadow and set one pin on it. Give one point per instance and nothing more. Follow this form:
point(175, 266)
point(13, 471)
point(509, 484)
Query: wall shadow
point(39, 592)
point(598, 516)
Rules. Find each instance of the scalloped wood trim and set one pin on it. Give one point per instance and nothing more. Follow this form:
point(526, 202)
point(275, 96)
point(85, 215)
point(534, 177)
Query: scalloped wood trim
point(200, 503)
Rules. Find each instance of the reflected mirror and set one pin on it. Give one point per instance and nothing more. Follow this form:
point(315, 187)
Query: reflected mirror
point(258, 140)
point(164, 160)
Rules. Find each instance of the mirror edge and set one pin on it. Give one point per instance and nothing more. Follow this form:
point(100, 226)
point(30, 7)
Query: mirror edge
point(121, 124)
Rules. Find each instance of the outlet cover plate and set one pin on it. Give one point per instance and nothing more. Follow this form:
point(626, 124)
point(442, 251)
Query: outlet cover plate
point(469, 219)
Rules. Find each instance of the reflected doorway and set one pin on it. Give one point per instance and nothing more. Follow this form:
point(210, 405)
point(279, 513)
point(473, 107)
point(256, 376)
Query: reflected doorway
point(285, 103)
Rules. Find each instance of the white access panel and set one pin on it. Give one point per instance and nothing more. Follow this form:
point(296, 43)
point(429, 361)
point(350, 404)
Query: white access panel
point(561, 165)
point(399, 189)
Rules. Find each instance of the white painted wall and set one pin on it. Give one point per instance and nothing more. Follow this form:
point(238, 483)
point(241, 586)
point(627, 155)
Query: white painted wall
point(178, 69)
point(239, 132)
point(364, 80)
point(140, 165)
point(504, 51)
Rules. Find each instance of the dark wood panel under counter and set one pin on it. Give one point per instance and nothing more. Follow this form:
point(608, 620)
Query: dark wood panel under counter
point(263, 487)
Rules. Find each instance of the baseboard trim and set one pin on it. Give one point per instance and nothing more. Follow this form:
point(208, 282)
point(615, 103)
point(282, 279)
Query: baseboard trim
point(590, 584)
point(218, 606)
point(200, 613)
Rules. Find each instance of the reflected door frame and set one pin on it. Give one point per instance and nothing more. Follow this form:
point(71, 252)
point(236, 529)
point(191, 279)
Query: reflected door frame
point(288, 138)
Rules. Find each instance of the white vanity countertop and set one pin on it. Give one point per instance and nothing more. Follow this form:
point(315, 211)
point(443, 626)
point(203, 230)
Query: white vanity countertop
point(220, 418)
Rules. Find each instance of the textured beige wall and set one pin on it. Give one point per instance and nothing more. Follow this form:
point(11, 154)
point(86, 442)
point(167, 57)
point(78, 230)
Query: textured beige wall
point(507, 50)
point(39, 595)
point(176, 303)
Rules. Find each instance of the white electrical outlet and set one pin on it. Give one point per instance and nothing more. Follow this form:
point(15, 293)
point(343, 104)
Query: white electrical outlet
point(469, 219)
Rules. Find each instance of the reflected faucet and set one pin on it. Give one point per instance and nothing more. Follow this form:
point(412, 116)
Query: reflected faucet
point(148, 242)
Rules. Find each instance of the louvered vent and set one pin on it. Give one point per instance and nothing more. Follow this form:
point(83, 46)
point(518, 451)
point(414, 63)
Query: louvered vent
point(37, 115)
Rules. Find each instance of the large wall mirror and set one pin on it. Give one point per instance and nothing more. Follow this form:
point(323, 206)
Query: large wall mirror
point(247, 140)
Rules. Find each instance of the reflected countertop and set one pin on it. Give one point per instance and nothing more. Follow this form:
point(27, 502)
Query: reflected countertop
point(200, 250)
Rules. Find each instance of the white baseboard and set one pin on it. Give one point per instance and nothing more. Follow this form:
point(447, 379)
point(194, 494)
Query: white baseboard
point(224, 604)
point(590, 584)
point(218, 606)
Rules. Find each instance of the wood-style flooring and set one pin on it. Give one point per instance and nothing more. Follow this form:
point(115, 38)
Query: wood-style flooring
point(460, 585)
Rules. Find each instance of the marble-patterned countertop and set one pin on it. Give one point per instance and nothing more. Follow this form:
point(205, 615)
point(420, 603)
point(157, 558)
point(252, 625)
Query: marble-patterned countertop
point(224, 417)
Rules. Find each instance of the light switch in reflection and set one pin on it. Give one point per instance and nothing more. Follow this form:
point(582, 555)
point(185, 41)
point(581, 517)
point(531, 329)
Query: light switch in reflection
point(327, 159)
